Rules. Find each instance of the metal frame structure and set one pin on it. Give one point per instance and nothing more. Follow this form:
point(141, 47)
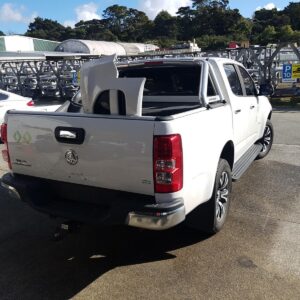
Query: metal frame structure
point(19, 66)
point(264, 62)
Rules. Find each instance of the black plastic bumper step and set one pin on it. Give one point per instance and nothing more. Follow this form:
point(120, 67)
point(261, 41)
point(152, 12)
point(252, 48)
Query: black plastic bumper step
point(245, 161)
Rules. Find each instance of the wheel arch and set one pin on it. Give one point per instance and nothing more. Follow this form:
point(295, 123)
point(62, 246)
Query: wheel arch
point(228, 153)
point(270, 115)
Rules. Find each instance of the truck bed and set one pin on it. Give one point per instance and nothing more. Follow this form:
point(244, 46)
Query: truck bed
point(153, 108)
point(167, 108)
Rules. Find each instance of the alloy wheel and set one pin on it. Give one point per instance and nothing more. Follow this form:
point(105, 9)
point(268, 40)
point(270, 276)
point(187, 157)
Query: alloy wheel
point(222, 196)
point(267, 138)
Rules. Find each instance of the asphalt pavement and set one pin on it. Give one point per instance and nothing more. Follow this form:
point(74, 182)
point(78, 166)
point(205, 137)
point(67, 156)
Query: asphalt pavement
point(255, 256)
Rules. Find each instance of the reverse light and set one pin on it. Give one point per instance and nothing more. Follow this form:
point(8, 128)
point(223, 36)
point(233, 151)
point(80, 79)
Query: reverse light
point(167, 163)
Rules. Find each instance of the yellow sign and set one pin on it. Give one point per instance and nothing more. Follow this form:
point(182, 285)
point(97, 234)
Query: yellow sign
point(295, 71)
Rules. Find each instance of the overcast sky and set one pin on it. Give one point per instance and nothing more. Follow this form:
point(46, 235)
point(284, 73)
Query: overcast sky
point(15, 17)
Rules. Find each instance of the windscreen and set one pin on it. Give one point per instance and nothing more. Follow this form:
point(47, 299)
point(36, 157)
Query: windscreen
point(167, 80)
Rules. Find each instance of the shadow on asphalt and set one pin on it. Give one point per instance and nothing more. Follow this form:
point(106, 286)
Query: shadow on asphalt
point(32, 265)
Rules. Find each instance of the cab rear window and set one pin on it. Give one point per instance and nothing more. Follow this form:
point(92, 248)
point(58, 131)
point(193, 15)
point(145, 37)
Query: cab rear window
point(167, 80)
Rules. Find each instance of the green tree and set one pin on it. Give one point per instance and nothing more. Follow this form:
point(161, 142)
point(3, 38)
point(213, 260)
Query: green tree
point(243, 29)
point(296, 37)
point(286, 34)
point(137, 26)
point(94, 30)
point(68, 33)
point(212, 22)
point(165, 26)
point(293, 11)
point(185, 19)
point(269, 35)
point(1, 33)
point(262, 18)
point(213, 42)
point(216, 19)
point(45, 29)
point(127, 24)
point(199, 4)
point(115, 16)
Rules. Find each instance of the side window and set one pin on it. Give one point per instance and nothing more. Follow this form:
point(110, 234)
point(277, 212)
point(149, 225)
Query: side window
point(211, 90)
point(248, 82)
point(233, 79)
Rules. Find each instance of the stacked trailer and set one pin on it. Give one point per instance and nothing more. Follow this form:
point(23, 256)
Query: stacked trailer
point(56, 73)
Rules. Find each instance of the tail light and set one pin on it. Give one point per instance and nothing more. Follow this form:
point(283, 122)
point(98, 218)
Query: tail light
point(5, 152)
point(4, 133)
point(167, 163)
point(30, 103)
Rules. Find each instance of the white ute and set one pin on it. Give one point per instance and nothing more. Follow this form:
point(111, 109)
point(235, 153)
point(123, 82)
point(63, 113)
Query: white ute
point(148, 143)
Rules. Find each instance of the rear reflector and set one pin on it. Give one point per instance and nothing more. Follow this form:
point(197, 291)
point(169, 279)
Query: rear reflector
point(30, 103)
point(5, 155)
point(5, 152)
point(167, 163)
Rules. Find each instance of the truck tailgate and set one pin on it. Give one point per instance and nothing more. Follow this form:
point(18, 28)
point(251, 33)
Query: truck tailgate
point(114, 153)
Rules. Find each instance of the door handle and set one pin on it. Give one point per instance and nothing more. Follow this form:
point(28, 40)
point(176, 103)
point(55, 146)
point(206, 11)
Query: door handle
point(69, 135)
point(237, 111)
point(252, 106)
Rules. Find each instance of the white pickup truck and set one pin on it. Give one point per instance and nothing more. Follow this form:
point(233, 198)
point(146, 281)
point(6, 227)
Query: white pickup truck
point(148, 143)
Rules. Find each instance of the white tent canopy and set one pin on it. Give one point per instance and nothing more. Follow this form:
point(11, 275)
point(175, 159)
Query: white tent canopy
point(103, 48)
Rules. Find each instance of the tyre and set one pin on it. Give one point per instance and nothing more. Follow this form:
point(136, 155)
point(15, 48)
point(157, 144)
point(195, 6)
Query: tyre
point(266, 140)
point(211, 216)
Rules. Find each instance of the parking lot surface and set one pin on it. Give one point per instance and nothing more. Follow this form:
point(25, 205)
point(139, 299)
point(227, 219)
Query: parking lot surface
point(255, 256)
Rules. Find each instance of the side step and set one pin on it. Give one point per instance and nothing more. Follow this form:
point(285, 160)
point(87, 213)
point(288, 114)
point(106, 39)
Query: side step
point(245, 161)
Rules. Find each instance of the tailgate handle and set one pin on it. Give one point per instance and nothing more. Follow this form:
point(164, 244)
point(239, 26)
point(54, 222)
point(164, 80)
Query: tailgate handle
point(70, 135)
point(67, 134)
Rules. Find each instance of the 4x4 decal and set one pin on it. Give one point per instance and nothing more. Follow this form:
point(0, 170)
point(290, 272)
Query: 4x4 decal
point(22, 139)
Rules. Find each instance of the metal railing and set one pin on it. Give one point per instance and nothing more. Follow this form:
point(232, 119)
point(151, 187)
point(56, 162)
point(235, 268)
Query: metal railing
point(57, 73)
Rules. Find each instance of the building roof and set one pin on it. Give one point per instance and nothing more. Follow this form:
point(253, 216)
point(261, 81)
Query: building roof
point(26, 43)
point(41, 55)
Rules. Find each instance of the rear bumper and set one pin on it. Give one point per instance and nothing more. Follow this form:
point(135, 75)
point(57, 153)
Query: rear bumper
point(159, 221)
point(94, 205)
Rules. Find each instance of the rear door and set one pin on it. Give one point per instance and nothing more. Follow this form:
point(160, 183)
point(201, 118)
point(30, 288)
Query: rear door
point(108, 152)
point(240, 110)
point(250, 97)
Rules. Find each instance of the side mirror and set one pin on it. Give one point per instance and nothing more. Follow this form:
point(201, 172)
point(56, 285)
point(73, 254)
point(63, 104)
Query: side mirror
point(266, 89)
